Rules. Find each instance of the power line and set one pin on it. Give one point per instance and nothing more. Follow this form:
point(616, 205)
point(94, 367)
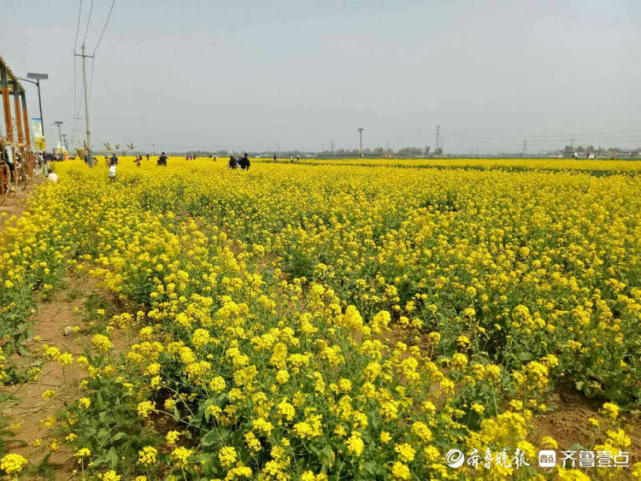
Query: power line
point(75, 42)
point(84, 40)
point(501, 133)
point(520, 134)
point(75, 73)
point(105, 27)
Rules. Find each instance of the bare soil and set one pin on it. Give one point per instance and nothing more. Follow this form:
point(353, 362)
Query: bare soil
point(16, 202)
point(568, 424)
point(31, 412)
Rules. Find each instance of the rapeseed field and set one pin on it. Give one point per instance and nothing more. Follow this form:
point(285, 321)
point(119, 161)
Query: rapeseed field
point(316, 322)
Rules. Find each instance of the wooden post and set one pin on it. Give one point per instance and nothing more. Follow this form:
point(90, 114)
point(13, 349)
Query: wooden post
point(27, 134)
point(8, 125)
point(16, 98)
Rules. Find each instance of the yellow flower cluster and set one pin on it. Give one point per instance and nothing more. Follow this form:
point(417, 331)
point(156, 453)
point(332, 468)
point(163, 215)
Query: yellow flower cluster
point(147, 455)
point(13, 463)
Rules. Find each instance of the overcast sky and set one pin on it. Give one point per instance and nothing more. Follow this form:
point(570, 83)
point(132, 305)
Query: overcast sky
point(257, 74)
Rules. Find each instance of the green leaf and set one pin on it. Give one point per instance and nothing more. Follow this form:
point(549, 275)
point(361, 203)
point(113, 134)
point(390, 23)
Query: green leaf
point(215, 436)
point(112, 457)
point(372, 468)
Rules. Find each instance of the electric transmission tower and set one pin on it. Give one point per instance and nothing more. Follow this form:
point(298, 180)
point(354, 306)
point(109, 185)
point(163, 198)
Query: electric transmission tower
point(360, 133)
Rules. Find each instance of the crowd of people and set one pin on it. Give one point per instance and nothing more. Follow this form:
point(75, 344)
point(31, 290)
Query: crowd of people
point(242, 163)
point(13, 158)
point(19, 165)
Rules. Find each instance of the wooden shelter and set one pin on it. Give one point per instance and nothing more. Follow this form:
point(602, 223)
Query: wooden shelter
point(11, 87)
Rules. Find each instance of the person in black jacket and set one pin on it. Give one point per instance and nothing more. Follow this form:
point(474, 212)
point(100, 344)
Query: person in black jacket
point(244, 162)
point(162, 160)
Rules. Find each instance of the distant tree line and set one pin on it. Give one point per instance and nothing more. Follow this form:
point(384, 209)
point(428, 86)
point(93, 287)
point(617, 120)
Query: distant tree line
point(568, 151)
point(380, 152)
point(589, 151)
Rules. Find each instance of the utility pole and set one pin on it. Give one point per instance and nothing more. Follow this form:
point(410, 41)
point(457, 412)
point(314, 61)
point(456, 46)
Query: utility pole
point(438, 136)
point(59, 123)
point(64, 142)
point(84, 78)
point(360, 132)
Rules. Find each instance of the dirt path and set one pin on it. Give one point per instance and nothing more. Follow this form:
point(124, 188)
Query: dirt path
point(31, 412)
point(31, 417)
point(16, 204)
point(568, 424)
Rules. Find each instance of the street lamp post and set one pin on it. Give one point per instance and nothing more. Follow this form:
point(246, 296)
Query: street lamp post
point(37, 77)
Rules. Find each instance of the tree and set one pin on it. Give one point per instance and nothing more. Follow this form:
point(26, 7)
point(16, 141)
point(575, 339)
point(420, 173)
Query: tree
point(410, 152)
point(438, 150)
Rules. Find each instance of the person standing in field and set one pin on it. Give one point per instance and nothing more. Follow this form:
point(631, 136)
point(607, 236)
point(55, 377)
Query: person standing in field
point(232, 162)
point(244, 162)
point(8, 159)
point(52, 176)
point(114, 160)
point(112, 168)
point(162, 160)
point(138, 160)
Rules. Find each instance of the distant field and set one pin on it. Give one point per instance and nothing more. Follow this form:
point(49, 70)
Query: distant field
point(545, 164)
